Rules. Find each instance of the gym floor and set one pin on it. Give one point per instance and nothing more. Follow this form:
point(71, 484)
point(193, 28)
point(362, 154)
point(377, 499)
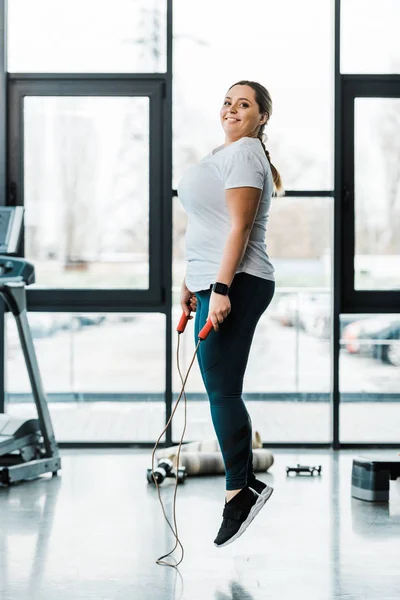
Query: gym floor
point(95, 532)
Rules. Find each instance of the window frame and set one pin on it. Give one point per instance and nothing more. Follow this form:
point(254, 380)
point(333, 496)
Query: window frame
point(71, 299)
point(352, 300)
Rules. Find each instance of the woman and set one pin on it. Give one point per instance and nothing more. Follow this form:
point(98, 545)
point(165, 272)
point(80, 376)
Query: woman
point(230, 279)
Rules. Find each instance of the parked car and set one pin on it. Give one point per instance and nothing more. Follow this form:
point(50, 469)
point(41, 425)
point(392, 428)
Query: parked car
point(89, 319)
point(309, 311)
point(378, 336)
point(47, 324)
point(315, 314)
point(312, 313)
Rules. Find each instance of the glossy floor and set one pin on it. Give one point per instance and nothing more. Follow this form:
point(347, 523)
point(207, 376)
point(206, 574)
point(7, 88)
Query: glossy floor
point(96, 531)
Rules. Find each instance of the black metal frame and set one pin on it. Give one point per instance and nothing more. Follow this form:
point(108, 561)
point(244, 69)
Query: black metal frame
point(21, 86)
point(3, 162)
point(337, 238)
point(360, 86)
point(345, 299)
point(159, 297)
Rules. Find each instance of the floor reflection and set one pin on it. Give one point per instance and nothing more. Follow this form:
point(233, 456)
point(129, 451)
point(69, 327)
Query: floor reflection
point(28, 509)
point(237, 592)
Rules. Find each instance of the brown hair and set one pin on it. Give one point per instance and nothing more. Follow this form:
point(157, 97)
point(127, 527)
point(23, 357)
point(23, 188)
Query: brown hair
point(264, 102)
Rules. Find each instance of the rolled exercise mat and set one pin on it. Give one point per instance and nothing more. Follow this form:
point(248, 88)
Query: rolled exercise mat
point(210, 445)
point(211, 463)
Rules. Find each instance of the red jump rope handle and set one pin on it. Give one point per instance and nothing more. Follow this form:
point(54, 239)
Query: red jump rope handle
point(206, 330)
point(183, 322)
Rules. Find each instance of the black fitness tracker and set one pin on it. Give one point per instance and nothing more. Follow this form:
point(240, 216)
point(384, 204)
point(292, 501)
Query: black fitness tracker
point(220, 288)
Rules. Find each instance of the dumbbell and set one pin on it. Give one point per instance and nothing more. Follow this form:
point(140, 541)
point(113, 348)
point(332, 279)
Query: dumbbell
point(165, 468)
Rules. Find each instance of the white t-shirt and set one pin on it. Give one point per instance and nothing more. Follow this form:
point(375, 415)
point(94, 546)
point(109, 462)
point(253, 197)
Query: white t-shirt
point(202, 193)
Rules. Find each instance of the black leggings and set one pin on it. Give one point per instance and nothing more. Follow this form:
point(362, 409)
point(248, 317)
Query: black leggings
point(223, 359)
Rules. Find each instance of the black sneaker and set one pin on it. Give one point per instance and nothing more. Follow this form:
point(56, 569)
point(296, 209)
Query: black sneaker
point(260, 487)
point(238, 514)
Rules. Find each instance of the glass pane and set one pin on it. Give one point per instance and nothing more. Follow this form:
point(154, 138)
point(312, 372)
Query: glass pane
point(299, 241)
point(288, 379)
point(370, 36)
point(300, 134)
point(369, 378)
point(377, 193)
point(101, 383)
point(91, 36)
point(86, 180)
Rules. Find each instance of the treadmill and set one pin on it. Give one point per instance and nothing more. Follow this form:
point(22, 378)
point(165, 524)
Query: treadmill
point(28, 447)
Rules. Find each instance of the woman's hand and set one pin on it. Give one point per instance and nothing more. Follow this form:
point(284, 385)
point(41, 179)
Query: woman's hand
point(188, 300)
point(219, 309)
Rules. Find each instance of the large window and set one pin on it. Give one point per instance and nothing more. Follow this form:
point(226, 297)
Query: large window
point(288, 378)
point(370, 378)
point(89, 158)
point(288, 47)
point(104, 374)
point(87, 36)
point(377, 193)
point(370, 36)
point(86, 190)
point(108, 104)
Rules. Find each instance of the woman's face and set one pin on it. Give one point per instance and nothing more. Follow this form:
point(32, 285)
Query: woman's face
point(240, 115)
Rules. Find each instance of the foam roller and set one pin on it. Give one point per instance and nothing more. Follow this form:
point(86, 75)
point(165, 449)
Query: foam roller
point(205, 458)
point(203, 446)
point(211, 463)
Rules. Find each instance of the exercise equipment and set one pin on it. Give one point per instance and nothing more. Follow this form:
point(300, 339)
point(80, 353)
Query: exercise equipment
point(165, 468)
point(300, 469)
point(370, 478)
point(11, 218)
point(205, 458)
point(28, 447)
point(203, 334)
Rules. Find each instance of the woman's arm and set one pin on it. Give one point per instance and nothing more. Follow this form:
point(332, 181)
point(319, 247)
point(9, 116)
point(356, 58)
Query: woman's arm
point(242, 205)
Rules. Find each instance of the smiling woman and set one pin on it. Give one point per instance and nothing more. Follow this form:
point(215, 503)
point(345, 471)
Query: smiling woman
point(227, 197)
point(241, 110)
point(248, 117)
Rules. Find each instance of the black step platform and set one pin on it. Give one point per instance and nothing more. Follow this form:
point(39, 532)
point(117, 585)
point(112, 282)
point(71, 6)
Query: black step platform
point(370, 479)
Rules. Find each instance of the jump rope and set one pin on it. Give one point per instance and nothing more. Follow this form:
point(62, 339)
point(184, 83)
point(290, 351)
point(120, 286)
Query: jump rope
point(203, 334)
